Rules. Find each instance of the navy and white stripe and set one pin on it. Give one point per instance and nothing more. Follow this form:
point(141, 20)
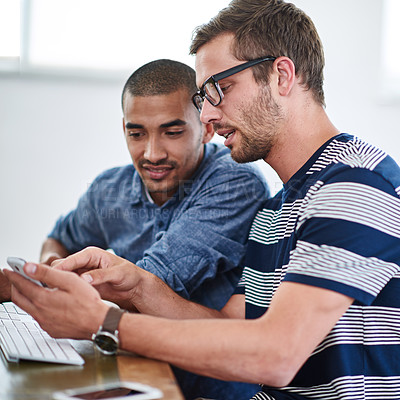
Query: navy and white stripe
point(353, 202)
point(260, 286)
point(335, 264)
point(271, 226)
point(374, 326)
point(362, 387)
point(365, 156)
point(368, 388)
point(336, 224)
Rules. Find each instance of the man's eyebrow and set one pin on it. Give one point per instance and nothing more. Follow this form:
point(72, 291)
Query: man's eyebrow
point(130, 125)
point(175, 122)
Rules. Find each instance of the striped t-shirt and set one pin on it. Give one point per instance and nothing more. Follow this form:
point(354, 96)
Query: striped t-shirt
point(336, 225)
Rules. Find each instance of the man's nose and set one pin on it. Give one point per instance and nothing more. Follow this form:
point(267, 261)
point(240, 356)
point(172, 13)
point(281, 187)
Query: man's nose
point(210, 113)
point(154, 150)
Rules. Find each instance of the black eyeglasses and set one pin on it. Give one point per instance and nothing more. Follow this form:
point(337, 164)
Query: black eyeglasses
point(211, 90)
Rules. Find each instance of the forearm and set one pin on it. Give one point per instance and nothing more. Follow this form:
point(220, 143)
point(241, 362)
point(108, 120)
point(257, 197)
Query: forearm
point(52, 250)
point(154, 297)
point(223, 349)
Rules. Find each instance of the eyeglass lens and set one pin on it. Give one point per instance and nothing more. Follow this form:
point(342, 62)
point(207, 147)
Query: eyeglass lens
point(198, 101)
point(212, 92)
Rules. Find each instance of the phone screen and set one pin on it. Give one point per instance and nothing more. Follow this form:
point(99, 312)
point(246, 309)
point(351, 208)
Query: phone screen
point(107, 393)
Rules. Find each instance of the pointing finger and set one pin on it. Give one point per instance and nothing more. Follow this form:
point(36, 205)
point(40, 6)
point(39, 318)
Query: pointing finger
point(89, 258)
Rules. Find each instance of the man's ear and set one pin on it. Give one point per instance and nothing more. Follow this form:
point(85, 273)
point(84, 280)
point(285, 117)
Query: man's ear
point(286, 72)
point(123, 125)
point(208, 132)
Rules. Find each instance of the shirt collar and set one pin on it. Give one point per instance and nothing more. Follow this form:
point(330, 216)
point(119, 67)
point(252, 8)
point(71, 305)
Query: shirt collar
point(187, 186)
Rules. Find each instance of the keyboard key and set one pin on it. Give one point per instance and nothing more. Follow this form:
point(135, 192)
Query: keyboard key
point(4, 315)
point(10, 308)
point(7, 340)
point(18, 340)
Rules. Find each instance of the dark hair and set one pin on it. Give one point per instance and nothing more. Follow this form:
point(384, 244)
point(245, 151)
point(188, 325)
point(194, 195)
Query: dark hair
point(160, 77)
point(269, 28)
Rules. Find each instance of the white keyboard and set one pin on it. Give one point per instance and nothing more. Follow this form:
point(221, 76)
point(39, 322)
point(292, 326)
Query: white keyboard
point(21, 338)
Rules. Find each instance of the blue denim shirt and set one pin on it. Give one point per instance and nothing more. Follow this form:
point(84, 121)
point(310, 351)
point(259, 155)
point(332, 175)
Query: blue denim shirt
point(194, 242)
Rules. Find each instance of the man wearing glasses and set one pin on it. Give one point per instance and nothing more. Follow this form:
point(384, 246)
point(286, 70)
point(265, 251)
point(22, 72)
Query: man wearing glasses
point(316, 313)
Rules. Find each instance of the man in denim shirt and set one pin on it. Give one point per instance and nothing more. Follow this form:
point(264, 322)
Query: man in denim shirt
point(182, 210)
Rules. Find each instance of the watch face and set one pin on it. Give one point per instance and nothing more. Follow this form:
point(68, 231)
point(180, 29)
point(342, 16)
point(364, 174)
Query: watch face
point(106, 342)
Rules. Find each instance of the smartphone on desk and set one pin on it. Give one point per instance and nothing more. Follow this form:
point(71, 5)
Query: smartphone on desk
point(111, 391)
point(17, 265)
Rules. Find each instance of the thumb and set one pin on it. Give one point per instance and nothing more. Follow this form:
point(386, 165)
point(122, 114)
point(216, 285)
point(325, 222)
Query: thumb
point(49, 276)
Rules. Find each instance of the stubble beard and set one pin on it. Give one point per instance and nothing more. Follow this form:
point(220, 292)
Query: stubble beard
point(259, 122)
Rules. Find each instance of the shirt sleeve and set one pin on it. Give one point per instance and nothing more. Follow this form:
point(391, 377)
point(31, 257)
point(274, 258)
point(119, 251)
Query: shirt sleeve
point(208, 237)
point(347, 230)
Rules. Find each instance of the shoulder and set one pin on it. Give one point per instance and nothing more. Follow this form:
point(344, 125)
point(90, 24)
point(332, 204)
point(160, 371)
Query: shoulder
point(115, 175)
point(114, 184)
point(350, 159)
point(361, 183)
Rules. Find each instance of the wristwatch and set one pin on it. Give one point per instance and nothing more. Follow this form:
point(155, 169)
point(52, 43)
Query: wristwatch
point(106, 338)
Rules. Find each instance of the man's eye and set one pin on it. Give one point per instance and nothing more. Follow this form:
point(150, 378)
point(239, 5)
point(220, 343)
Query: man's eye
point(225, 88)
point(134, 135)
point(173, 133)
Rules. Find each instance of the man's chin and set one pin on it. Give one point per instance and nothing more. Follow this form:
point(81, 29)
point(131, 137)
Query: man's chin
point(242, 158)
point(161, 190)
point(159, 187)
point(239, 153)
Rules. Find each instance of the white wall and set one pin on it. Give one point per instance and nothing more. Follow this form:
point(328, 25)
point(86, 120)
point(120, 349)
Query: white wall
point(56, 135)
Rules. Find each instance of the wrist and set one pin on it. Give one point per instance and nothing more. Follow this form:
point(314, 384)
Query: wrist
point(140, 288)
point(106, 339)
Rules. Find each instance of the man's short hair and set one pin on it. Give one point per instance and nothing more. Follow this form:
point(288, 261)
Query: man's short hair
point(160, 77)
point(269, 28)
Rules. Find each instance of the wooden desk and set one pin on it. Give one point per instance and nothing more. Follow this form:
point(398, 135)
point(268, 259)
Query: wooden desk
point(37, 381)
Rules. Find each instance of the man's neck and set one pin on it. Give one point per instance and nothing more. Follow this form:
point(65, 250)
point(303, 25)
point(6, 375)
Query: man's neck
point(299, 141)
